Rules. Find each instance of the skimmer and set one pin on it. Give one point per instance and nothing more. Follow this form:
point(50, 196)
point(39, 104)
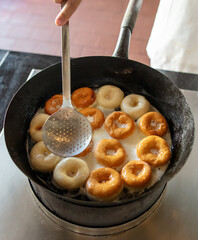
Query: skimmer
point(66, 132)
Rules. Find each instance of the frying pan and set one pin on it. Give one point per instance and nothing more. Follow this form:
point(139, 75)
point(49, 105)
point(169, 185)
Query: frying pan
point(131, 77)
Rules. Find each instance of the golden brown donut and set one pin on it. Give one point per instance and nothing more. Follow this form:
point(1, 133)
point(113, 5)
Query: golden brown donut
point(83, 97)
point(86, 151)
point(154, 150)
point(109, 153)
point(104, 184)
point(119, 125)
point(153, 123)
point(96, 114)
point(136, 173)
point(53, 104)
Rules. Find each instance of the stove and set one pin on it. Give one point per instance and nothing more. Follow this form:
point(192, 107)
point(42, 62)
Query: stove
point(174, 216)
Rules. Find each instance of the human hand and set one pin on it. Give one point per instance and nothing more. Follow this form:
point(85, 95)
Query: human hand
point(67, 11)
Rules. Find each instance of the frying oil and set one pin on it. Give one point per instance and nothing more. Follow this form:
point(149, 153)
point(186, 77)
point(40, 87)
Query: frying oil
point(130, 143)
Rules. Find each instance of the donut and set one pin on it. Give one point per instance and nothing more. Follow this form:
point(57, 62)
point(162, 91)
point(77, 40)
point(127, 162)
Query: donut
point(53, 104)
point(94, 115)
point(135, 105)
point(136, 173)
point(153, 123)
point(119, 125)
point(41, 159)
point(71, 173)
point(36, 125)
point(86, 151)
point(83, 97)
point(104, 184)
point(109, 96)
point(109, 153)
point(154, 150)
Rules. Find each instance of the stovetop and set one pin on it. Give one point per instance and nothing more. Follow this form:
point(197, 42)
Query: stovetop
point(176, 217)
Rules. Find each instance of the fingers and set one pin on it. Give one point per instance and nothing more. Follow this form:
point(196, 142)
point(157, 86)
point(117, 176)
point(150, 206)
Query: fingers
point(67, 11)
point(58, 1)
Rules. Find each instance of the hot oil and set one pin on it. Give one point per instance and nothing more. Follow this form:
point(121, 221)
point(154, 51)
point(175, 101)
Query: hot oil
point(129, 145)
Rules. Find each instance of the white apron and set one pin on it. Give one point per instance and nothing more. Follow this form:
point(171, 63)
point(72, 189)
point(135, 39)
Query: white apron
point(173, 44)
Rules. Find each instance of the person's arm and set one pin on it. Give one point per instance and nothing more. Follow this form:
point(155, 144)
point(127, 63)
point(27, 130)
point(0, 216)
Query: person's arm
point(67, 11)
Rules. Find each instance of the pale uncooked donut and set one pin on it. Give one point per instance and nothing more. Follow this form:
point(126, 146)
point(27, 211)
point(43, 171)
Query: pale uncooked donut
point(135, 105)
point(36, 125)
point(41, 159)
point(71, 173)
point(109, 96)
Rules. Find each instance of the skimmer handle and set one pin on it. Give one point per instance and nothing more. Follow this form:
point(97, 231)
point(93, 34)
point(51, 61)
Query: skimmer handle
point(66, 72)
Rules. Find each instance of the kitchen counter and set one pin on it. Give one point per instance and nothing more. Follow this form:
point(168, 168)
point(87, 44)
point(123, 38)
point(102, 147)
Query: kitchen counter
point(15, 67)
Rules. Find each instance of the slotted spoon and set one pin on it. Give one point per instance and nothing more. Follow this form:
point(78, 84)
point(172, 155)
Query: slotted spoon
point(66, 132)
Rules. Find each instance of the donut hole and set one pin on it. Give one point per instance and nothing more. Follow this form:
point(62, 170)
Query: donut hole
point(72, 172)
point(154, 151)
point(56, 104)
point(137, 169)
point(155, 124)
point(108, 96)
point(90, 118)
point(135, 103)
point(103, 181)
point(55, 108)
point(45, 153)
point(39, 128)
point(111, 152)
point(120, 124)
point(105, 178)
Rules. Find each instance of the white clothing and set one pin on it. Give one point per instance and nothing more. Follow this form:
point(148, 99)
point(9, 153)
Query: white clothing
point(173, 44)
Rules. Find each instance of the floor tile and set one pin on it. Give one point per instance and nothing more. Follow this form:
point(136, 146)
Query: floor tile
point(29, 26)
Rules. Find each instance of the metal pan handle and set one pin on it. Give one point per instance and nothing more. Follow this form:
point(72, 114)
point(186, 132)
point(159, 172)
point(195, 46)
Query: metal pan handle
point(127, 26)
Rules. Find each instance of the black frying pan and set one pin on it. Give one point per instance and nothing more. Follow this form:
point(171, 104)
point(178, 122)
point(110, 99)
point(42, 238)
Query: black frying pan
point(131, 77)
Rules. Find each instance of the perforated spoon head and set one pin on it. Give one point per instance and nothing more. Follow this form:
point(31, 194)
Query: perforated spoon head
point(67, 132)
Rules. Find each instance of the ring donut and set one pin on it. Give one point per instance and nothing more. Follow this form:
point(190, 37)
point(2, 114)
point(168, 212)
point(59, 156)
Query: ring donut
point(95, 117)
point(136, 173)
point(86, 151)
point(53, 104)
point(154, 150)
point(135, 105)
point(71, 173)
point(104, 184)
point(119, 125)
point(36, 125)
point(109, 153)
point(41, 159)
point(109, 96)
point(153, 123)
point(83, 97)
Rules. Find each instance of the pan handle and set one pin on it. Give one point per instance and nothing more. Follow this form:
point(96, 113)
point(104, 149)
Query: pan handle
point(127, 26)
